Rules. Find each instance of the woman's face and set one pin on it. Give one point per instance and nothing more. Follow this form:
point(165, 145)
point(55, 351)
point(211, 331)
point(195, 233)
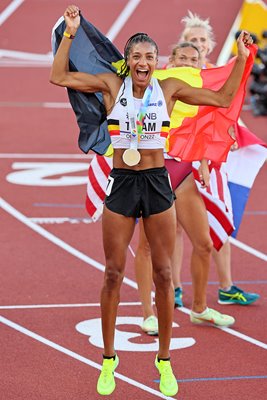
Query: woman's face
point(142, 61)
point(199, 36)
point(186, 57)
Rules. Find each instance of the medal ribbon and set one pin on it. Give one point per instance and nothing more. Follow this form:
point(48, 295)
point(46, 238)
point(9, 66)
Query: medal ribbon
point(142, 111)
point(137, 120)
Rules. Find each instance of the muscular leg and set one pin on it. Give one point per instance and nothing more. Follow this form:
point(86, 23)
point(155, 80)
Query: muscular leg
point(143, 267)
point(143, 272)
point(192, 215)
point(117, 233)
point(177, 257)
point(160, 232)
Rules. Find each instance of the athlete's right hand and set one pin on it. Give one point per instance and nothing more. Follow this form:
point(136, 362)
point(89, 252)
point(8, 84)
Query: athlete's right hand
point(72, 18)
point(244, 40)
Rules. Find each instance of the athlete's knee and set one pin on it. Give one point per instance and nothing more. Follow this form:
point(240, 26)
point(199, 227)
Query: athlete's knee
point(162, 277)
point(203, 247)
point(113, 277)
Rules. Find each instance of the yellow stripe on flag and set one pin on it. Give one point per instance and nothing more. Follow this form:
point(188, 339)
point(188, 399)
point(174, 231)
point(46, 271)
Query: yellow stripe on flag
point(192, 76)
point(113, 127)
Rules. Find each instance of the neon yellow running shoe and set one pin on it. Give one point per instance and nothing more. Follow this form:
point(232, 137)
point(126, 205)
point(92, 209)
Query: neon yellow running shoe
point(106, 382)
point(211, 317)
point(168, 383)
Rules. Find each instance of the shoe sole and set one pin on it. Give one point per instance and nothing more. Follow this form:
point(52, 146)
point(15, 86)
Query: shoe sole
point(168, 394)
point(211, 323)
point(106, 393)
point(228, 302)
point(152, 333)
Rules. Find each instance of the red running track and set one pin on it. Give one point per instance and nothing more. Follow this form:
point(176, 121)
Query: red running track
point(51, 254)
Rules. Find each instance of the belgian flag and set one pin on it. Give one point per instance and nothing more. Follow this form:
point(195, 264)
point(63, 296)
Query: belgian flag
point(199, 132)
point(196, 131)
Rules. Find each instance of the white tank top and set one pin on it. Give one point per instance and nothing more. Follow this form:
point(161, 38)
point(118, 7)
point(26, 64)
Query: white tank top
point(156, 123)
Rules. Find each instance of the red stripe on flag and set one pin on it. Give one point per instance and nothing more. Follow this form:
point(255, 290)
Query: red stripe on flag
point(219, 184)
point(217, 242)
point(98, 172)
point(91, 209)
point(94, 182)
point(105, 167)
point(164, 134)
point(218, 214)
point(114, 133)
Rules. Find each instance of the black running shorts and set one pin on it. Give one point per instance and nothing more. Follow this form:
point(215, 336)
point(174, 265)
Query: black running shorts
point(139, 193)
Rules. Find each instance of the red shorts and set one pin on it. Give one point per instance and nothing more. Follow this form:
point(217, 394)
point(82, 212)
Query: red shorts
point(178, 171)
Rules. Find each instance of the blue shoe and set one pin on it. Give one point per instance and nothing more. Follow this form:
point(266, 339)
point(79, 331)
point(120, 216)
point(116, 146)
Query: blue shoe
point(237, 296)
point(178, 294)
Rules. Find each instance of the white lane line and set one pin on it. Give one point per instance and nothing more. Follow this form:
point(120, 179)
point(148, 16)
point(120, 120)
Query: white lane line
point(76, 356)
point(47, 104)
point(244, 337)
point(248, 249)
point(40, 306)
point(232, 332)
point(26, 56)
point(54, 239)
point(61, 220)
point(9, 10)
point(5, 63)
point(122, 19)
point(44, 156)
point(55, 105)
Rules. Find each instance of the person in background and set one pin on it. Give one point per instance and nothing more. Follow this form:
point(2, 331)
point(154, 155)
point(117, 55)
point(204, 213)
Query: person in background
point(191, 215)
point(200, 32)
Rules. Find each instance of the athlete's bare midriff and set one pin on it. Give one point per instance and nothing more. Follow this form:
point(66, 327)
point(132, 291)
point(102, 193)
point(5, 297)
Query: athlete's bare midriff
point(150, 158)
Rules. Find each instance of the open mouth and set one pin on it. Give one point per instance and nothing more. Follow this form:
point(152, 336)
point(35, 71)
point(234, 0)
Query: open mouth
point(142, 73)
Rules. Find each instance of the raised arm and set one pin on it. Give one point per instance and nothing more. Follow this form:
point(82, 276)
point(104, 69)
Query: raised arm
point(224, 96)
point(60, 73)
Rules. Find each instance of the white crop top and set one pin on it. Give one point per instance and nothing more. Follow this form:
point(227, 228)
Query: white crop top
point(156, 123)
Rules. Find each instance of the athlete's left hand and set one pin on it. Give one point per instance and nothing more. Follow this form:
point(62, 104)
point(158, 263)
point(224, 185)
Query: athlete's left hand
point(204, 173)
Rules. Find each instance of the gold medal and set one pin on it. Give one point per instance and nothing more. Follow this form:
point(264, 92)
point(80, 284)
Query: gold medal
point(131, 157)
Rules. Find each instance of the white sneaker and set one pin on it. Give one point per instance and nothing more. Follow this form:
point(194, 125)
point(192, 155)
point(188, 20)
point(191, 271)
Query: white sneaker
point(150, 325)
point(212, 317)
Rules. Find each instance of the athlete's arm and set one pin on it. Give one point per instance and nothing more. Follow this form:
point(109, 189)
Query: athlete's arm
point(60, 74)
point(222, 97)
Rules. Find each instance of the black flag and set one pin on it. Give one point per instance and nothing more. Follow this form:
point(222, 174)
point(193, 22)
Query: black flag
point(94, 53)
